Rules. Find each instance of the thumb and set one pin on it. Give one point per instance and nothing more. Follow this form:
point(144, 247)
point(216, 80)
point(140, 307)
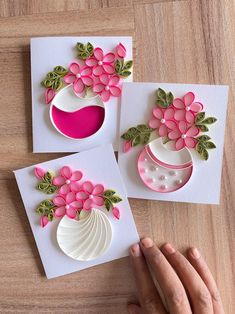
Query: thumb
point(133, 309)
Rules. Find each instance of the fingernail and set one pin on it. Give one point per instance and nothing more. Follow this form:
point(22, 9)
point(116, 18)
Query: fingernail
point(169, 248)
point(135, 250)
point(195, 253)
point(147, 242)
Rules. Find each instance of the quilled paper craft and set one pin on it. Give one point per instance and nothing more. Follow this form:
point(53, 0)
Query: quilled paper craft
point(77, 94)
point(177, 126)
point(84, 231)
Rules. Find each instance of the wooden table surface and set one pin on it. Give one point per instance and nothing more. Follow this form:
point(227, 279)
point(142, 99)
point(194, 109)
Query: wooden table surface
point(174, 41)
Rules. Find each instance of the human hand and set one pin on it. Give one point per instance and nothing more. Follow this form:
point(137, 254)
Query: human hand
point(187, 284)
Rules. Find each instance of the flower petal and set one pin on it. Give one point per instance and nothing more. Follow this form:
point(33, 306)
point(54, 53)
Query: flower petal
point(104, 79)
point(169, 113)
point(71, 212)
point(196, 107)
point(59, 180)
point(170, 124)
point(87, 80)
point(76, 175)
point(105, 95)
point(188, 98)
point(49, 95)
point(154, 123)
point(76, 204)
point(59, 201)
point(162, 130)
point(64, 189)
point(39, 172)
point(74, 68)
point(81, 196)
point(44, 221)
point(78, 86)
point(173, 135)
point(69, 78)
point(190, 117)
point(179, 114)
point(180, 143)
point(75, 186)
point(91, 62)
point(86, 71)
point(98, 53)
point(193, 131)
point(66, 172)
point(183, 126)
point(121, 50)
point(109, 57)
point(98, 189)
point(114, 80)
point(60, 212)
point(70, 197)
point(190, 142)
point(158, 113)
point(116, 212)
point(178, 103)
point(98, 70)
point(127, 146)
point(87, 204)
point(108, 68)
point(98, 88)
point(115, 91)
point(98, 200)
point(88, 187)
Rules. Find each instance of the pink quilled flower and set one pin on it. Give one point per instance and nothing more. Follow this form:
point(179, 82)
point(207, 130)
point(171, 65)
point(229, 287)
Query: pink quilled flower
point(68, 180)
point(101, 63)
point(39, 172)
point(79, 76)
point(107, 87)
point(184, 135)
point(49, 95)
point(67, 205)
point(163, 121)
point(121, 50)
point(116, 213)
point(187, 108)
point(43, 221)
point(91, 195)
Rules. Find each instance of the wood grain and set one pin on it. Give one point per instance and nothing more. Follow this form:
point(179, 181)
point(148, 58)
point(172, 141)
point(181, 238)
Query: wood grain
point(174, 41)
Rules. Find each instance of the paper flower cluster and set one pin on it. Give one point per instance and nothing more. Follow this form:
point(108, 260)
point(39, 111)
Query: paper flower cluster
point(95, 70)
point(177, 120)
point(72, 195)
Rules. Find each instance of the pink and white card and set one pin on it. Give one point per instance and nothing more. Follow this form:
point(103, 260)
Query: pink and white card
point(171, 141)
point(78, 210)
point(76, 90)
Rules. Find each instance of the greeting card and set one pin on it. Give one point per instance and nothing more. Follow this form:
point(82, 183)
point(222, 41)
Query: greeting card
point(78, 210)
point(171, 145)
point(76, 89)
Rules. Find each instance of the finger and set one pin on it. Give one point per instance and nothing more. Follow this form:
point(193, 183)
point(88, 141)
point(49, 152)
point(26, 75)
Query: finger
point(149, 298)
point(171, 286)
point(199, 294)
point(134, 309)
point(203, 270)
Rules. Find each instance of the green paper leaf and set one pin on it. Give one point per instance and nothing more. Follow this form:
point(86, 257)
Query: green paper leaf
point(204, 154)
point(85, 51)
point(203, 138)
point(81, 47)
point(47, 83)
point(57, 84)
point(42, 186)
point(48, 177)
point(143, 128)
point(200, 148)
point(52, 75)
point(169, 98)
point(136, 141)
point(117, 66)
point(109, 192)
point(51, 189)
point(202, 127)
point(108, 204)
point(40, 210)
point(146, 138)
point(128, 65)
point(125, 73)
point(200, 116)
point(161, 94)
point(209, 120)
point(60, 70)
point(164, 100)
point(115, 199)
point(210, 145)
point(90, 48)
point(50, 216)
point(161, 103)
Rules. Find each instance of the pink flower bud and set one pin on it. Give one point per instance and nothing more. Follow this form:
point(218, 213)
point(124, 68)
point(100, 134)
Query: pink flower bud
point(44, 221)
point(121, 50)
point(39, 172)
point(127, 146)
point(49, 95)
point(116, 212)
